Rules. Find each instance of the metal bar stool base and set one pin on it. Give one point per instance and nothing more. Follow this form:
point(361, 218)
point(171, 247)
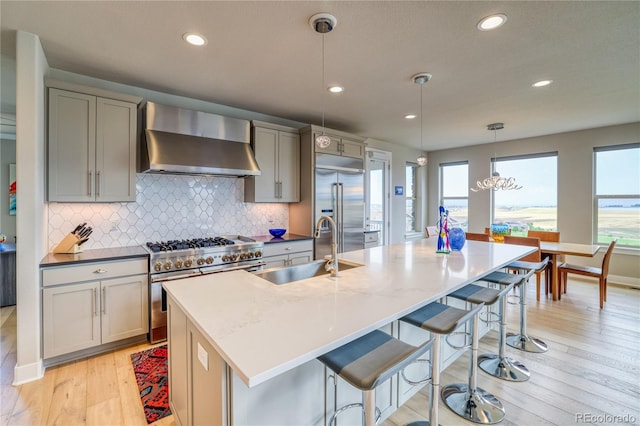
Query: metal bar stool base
point(526, 343)
point(478, 406)
point(420, 423)
point(503, 368)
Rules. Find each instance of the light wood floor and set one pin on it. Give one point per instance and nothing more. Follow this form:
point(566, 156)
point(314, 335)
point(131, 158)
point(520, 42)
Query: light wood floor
point(593, 366)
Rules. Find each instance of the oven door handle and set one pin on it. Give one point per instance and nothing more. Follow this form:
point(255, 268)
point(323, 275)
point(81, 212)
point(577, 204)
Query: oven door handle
point(173, 277)
point(235, 268)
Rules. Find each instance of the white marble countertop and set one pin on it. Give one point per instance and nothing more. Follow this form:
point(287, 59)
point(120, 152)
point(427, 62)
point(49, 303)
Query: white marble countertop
point(262, 330)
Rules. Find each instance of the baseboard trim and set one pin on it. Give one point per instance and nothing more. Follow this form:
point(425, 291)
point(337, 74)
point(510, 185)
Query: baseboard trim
point(27, 373)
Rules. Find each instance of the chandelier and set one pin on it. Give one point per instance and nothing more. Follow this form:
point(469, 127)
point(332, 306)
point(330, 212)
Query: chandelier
point(496, 182)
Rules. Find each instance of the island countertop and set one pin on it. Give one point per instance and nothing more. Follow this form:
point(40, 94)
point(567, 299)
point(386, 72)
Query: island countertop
point(262, 330)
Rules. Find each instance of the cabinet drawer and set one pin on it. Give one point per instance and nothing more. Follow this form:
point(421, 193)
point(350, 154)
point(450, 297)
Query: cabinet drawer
point(371, 237)
point(275, 249)
point(93, 271)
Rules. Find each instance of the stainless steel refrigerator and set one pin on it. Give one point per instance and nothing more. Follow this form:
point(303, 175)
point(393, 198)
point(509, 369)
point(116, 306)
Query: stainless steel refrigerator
point(339, 194)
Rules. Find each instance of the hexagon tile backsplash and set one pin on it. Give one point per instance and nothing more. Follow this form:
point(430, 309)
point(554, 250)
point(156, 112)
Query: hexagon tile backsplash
point(169, 207)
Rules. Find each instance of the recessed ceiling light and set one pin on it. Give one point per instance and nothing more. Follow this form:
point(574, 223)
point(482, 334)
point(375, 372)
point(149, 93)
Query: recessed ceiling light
point(491, 22)
point(194, 39)
point(410, 116)
point(542, 83)
point(336, 89)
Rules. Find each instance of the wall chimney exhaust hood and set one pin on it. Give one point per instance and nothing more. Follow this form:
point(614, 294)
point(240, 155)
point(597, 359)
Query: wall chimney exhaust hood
point(182, 141)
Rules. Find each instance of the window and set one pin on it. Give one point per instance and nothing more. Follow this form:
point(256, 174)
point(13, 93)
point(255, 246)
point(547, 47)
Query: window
point(454, 192)
point(411, 192)
point(535, 206)
point(617, 195)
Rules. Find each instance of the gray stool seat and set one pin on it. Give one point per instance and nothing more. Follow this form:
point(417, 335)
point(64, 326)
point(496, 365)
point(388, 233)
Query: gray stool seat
point(476, 294)
point(438, 319)
point(528, 266)
point(502, 278)
point(368, 361)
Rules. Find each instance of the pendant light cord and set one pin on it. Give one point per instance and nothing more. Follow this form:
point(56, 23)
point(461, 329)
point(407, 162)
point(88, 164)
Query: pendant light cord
point(322, 92)
point(421, 119)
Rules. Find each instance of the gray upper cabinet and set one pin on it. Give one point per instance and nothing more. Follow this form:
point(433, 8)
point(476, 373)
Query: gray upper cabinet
point(341, 145)
point(277, 151)
point(92, 146)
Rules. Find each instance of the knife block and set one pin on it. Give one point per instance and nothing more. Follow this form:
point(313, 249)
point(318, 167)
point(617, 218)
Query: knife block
point(68, 245)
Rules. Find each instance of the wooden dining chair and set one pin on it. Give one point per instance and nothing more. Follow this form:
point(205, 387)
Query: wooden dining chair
point(477, 237)
point(533, 257)
point(552, 237)
point(589, 271)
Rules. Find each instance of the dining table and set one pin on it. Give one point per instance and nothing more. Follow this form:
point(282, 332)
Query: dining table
point(556, 251)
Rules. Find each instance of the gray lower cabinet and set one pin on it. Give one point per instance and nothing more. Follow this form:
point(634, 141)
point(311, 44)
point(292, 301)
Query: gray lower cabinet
point(80, 313)
point(287, 253)
point(91, 147)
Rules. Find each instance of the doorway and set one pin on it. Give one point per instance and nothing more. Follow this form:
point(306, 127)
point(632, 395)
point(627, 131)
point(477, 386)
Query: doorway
point(378, 194)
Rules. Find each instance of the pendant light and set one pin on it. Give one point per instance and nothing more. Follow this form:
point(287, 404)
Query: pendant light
point(421, 79)
point(323, 23)
point(496, 182)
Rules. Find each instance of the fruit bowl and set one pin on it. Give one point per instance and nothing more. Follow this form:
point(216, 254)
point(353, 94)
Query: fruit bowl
point(277, 232)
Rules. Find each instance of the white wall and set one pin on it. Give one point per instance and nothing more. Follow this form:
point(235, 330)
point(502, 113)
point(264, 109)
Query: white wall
point(31, 67)
point(575, 199)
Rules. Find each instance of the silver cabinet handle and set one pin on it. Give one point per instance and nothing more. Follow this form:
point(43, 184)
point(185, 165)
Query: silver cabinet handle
point(100, 271)
point(97, 184)
point(104, 300)
point(89, 176)
point(95, 303)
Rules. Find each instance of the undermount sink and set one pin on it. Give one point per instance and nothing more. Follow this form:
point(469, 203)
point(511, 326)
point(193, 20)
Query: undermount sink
point(300, 272)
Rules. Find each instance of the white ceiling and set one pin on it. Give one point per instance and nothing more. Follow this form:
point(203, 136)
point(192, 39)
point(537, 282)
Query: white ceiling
point(263, 56)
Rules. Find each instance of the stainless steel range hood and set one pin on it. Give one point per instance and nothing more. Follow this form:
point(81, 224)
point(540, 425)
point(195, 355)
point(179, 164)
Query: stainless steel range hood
point(182, 141)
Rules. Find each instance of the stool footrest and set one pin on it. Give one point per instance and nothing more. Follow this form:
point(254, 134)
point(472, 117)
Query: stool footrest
point(421, 381)
point(467, 337)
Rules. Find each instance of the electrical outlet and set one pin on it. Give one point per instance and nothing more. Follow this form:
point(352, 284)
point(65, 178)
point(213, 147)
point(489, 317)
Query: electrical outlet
point(114, 225)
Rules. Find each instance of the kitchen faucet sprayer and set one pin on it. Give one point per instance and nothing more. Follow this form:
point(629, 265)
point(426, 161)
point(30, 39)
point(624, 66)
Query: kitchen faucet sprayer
point(332, 264)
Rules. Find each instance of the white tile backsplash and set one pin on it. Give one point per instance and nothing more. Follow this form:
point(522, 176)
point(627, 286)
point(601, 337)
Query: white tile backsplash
point(169, 207)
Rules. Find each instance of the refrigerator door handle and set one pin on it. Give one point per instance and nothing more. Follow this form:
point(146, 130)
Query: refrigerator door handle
point(341, 219)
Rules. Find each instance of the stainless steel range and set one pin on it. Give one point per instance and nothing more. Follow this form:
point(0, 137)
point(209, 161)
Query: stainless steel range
point(171, 260)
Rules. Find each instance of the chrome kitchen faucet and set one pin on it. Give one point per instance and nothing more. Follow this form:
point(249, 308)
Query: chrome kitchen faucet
point(332, 264)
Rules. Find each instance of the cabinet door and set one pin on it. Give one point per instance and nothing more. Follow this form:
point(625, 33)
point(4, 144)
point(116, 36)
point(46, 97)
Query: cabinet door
point(333, 148)
point(70, 318)
point(276, 261)
point(265, 150)
point(115, 178)
point(72, 134)
point(289, 167)
point(352, 148)
point(124, 307)
point(300, 258)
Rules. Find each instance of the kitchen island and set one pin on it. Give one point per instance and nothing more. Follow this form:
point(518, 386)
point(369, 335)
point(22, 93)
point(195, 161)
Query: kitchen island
point(249, 347)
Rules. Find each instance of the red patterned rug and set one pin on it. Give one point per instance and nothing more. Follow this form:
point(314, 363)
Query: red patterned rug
point(150, 367)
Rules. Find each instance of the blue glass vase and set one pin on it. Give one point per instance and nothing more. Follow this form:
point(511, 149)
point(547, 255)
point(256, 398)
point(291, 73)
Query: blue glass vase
point(457, 238)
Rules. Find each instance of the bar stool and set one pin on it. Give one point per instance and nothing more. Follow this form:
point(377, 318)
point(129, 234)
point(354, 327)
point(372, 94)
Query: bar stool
point(468, 400)
point(523, 341)
point(368, 361)
point(499, 365)
point(439, 319)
